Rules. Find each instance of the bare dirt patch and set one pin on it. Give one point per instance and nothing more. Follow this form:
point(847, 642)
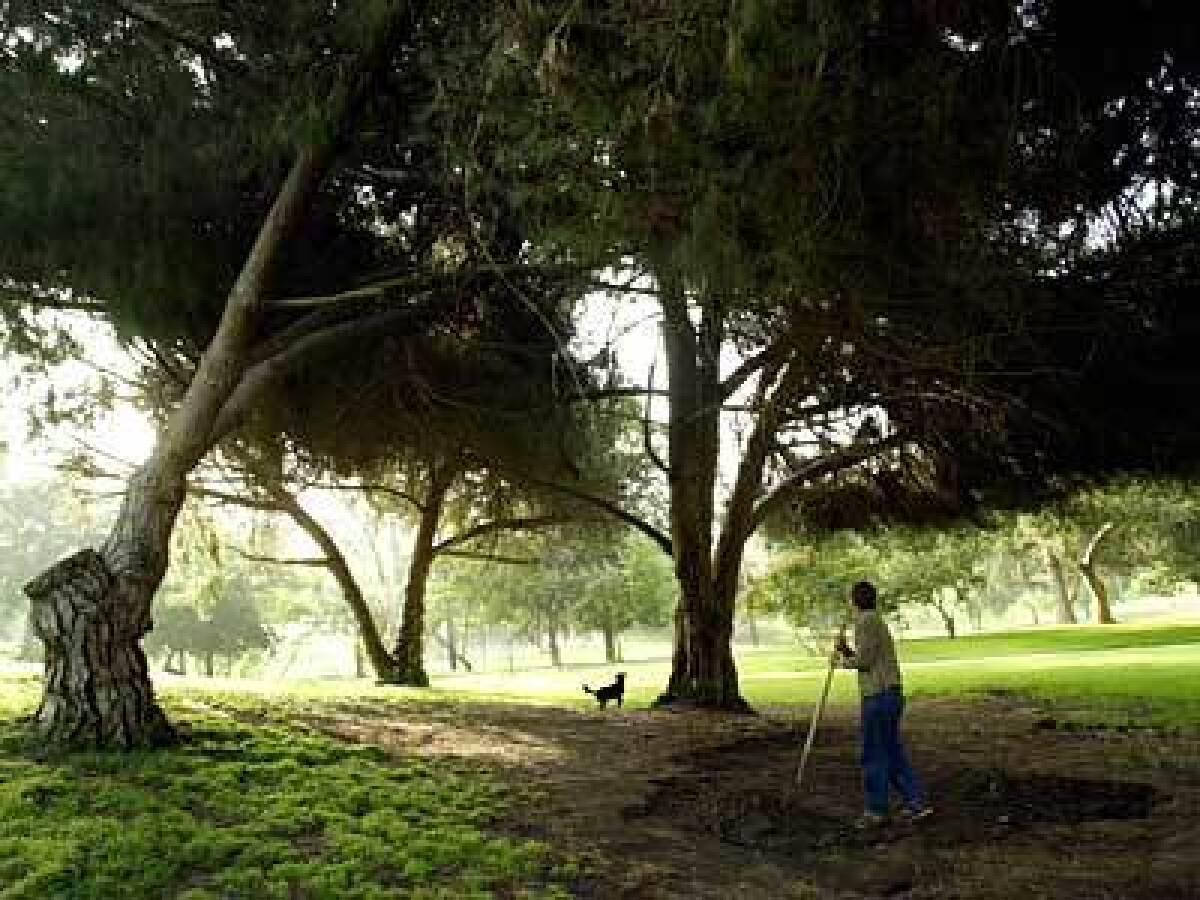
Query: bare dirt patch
point(698, 805)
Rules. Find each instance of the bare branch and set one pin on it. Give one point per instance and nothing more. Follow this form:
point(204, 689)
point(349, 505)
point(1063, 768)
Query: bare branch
point(373, 488)
point(647, 437)
point(526, 523)
point(492, 557)
point(610, 507)
point(244, 500)
point(739, 376)
point(314, 562)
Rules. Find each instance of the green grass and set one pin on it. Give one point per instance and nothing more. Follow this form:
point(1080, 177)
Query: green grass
point(1145, 673)
point(251, 812)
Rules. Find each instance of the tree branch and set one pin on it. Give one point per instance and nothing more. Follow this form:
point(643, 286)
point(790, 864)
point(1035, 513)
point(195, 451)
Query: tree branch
point(610, 507)
point(818, 468)
point(647, 438)
point(260, 376)
point(492, 557)
point(526, 523)
point(315, 562)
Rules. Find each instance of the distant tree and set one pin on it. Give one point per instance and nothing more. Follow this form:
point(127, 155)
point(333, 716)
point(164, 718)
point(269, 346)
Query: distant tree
point(223, 620)
point(39, 522)
point(943, 570)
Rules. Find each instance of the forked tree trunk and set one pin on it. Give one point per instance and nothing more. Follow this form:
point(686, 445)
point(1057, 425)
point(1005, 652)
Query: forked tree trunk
point(410, 643)
point(703, 672)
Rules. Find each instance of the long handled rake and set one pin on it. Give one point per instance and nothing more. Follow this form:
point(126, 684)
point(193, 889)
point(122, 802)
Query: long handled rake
point(818, 711)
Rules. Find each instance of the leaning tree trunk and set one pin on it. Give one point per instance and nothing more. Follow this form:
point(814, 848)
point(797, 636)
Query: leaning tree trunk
point(372, 642)
point(92, 609)
point(948, 622)
point(410, 644)
point(1087, 566)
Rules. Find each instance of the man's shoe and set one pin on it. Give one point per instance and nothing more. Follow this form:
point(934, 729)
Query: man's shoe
point(916, 813)
point(869, 820)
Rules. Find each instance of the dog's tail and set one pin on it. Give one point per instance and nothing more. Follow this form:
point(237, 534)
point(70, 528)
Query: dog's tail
point(588, 690)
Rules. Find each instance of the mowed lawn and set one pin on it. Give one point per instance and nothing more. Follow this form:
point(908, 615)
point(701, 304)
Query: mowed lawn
point(255, 806)
point(1146, 673)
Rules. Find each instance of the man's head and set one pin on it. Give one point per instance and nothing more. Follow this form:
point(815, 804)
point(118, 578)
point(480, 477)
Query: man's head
point(863, 595)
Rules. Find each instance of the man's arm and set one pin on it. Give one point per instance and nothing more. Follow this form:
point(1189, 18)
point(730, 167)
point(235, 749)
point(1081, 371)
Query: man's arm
point(864, 656)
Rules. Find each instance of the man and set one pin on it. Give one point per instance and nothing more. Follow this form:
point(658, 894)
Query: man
point(884, 761)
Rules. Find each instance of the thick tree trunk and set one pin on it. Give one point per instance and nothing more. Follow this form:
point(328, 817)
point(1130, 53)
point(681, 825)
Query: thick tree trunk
point(410, 644)
point(97, 690)
point(703, 672)
point(1063, 591)
point(372, 642)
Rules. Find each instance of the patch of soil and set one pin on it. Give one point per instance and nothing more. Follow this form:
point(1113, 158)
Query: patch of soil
point(703, 806)
point(975, 805)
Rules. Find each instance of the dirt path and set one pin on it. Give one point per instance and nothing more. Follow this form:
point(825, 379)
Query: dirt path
point(697, 805)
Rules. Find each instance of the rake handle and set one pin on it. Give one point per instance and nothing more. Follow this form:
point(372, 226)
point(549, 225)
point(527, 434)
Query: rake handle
point(817, 712)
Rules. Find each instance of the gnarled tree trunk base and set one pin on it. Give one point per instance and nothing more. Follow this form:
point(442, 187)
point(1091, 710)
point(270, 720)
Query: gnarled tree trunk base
point(98, 691)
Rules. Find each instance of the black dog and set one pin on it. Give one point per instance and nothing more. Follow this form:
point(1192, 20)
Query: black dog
point(614, 691)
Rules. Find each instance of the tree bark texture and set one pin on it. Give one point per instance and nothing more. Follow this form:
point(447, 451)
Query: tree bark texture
point(410, 643)
point(97, 687)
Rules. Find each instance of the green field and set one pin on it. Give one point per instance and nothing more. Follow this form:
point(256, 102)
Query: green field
point(1140, 672)
point(252, 807)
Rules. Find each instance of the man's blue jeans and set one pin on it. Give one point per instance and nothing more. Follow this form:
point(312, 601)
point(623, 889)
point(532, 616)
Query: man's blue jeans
point(883, 758)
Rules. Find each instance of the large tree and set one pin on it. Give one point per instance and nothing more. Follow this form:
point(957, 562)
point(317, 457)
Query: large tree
point(250, 189)
point(883, 219)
